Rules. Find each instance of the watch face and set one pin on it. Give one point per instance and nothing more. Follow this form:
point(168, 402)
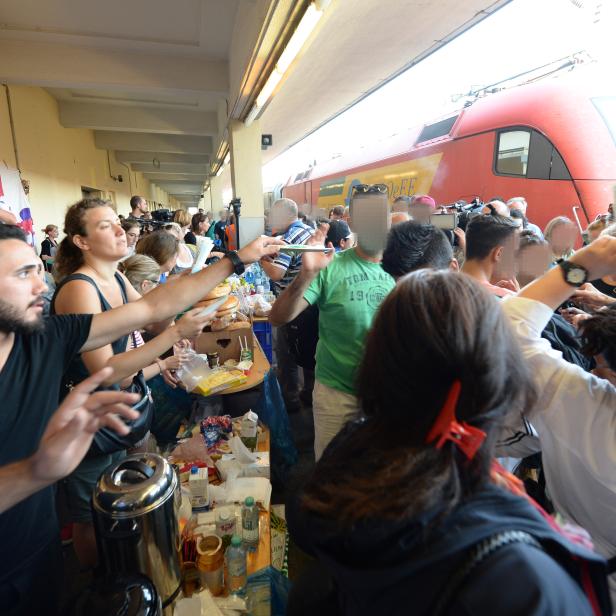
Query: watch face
point(576, 275)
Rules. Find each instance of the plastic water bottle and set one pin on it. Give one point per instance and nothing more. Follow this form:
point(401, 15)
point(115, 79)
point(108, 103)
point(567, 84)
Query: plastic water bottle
point(236, 566)
point(266, 283)
point(250, 523)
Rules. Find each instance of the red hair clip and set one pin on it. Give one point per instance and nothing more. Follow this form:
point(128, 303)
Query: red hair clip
point(447, 428)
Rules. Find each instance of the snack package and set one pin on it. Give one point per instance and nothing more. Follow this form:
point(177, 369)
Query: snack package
point(214, 428)
point(220, 380)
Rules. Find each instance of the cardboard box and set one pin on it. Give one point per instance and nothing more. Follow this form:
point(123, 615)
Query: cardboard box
point(225, 343)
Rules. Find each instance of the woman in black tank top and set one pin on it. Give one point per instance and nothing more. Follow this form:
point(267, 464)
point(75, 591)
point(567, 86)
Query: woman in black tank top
point(86, 270)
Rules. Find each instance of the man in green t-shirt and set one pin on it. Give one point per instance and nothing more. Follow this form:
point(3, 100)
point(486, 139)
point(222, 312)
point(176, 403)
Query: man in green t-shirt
point(348, 288)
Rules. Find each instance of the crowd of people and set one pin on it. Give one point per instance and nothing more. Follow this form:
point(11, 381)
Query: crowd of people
point(462, 384)
point(444, 360)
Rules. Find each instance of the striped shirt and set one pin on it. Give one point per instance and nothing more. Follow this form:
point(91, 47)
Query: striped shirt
point(297, 233)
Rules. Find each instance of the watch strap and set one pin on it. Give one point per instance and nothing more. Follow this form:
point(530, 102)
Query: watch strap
point(566, 268)
point(238, 265)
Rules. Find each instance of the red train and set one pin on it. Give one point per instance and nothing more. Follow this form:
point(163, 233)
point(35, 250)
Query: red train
point(553, 142)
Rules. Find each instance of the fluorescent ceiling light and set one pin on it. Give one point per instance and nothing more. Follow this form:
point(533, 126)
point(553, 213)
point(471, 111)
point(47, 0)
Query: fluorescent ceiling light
point(300, 36)
point(269, 87)
point(227, 158)
point(252, 114)
point(219, 172)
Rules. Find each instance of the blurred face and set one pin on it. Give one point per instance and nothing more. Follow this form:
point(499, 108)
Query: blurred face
point(533, 261)
point(505, 264)
point(421, 213)
point(279, 219)
point(204, 226)
point(563, 238)
point(371, 222)
point(21, 288)
point(520, 205)
point(142, 206)
point(132, 236)
point(105, 239)
point(53, 233)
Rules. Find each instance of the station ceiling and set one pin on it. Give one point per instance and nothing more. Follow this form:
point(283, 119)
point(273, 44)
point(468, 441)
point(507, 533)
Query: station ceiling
point(157, 81)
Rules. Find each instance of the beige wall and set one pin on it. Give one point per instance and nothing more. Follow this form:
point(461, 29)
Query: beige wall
point(58, 161)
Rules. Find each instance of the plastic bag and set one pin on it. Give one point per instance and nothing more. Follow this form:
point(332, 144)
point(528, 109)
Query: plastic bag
point(273, 413)
point(268, 592)
point(194, 370)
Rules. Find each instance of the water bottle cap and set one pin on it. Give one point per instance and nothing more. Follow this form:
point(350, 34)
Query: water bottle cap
point(249, 502)
point(236, 541)
point(194, 470)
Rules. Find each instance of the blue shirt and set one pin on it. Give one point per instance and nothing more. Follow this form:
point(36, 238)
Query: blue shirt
point(297, 233)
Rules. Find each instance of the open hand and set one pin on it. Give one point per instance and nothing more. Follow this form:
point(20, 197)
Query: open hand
point(590, 297)
point(314, 262)
point(263, 246)
point(192, 324)
point(70, 430)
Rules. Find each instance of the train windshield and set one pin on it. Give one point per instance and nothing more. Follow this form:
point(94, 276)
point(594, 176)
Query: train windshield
point(606, 106)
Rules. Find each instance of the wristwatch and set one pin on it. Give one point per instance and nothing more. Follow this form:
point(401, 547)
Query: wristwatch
point(574, 274)
point(238, 265)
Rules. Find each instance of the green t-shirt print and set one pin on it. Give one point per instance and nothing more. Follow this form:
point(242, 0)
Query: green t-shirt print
point(348, 293)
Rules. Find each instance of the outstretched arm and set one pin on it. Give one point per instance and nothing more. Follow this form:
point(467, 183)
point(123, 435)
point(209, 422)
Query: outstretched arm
point(291, 302)
point(171, 298)
point(67, 438)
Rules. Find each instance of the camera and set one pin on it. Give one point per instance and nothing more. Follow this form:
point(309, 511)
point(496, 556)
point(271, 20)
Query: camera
point(446, 222)
point(162, 216)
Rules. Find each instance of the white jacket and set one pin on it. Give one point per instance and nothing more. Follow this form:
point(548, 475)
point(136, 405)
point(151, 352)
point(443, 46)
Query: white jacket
point(575, 417)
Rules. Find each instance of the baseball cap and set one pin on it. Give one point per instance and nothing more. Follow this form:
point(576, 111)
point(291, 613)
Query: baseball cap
point(424, 200)
point(338, 230)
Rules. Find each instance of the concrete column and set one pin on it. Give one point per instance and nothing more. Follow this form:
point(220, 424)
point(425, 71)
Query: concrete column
point(245, 142)
point(216, 195)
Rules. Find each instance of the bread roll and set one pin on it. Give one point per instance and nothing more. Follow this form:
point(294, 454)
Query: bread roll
point(218, 291)
point(204, 303)
point(238, 325)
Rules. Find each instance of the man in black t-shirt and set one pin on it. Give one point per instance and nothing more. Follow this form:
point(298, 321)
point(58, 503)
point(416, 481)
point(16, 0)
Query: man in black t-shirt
point(34, 353)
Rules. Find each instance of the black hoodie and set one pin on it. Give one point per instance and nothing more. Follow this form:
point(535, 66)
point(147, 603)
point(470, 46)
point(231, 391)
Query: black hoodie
point(383, 568)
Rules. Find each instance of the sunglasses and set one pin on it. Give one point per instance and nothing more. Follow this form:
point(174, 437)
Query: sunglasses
point(365, 189)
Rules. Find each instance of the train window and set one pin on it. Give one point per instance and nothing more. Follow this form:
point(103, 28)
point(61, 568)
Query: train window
point(558, 170)
point(438, 129)
point(512, 153)
point(540, 157)
point(527, 153)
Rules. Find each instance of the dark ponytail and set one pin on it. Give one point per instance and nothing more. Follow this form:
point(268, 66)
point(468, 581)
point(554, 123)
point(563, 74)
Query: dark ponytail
point(69, 257)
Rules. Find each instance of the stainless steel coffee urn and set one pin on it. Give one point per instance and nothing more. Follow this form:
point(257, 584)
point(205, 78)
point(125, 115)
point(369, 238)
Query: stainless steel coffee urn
point(135, 504)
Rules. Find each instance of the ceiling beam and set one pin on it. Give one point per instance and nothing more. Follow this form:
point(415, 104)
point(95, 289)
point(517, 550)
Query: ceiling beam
point(124, 156)
point(181, 168)
point(68, 66)
point(146, 142)
point(179, 190)
point(97, 116)
point(191, 178)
